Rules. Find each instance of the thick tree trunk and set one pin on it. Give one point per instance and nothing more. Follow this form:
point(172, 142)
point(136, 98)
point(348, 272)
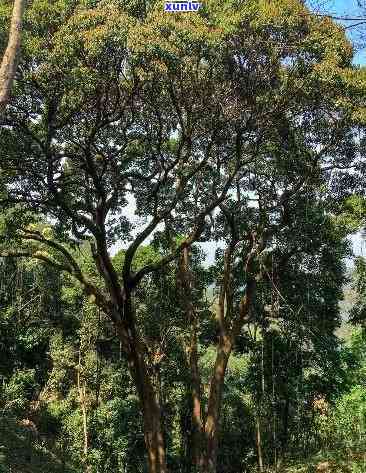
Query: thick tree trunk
point(153, 435)
point(197, 424)
point(214, 405)
point(226, 341)
point(151, 411)
point(197, 442)
point(122, 313)
point(10, 58)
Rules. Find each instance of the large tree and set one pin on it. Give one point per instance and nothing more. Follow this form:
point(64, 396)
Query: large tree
point(178, 115)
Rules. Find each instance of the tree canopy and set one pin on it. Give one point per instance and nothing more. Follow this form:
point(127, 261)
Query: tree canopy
point(241, 127)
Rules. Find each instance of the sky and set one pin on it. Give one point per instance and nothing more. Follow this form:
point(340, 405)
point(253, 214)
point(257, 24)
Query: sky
point(344, 8)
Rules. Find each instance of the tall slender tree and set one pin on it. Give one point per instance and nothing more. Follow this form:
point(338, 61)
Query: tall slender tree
point(11, 55)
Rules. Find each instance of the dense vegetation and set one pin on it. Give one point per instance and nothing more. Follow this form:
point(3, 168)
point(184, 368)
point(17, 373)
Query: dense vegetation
point(133, 141)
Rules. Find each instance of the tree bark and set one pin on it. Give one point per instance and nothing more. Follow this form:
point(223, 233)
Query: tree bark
point(151, 410)
point(197, 424)
point(225, 346)
point(259, 442)
point(214, 405)
point(192, 355)
point(11, 55)
point(122, 313)
point(259, 410)
point(285, 419)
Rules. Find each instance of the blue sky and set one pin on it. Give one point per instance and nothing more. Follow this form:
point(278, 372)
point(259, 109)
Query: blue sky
point(347, 8)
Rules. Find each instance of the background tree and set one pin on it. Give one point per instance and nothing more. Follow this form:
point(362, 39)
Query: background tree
point(10, 57)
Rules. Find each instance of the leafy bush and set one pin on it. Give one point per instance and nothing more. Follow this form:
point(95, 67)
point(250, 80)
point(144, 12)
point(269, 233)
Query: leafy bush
point(19, 391)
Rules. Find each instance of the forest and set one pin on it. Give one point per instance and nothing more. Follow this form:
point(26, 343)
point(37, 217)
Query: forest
point(180, 197)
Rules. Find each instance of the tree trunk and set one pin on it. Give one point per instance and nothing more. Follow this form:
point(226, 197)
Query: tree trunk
point(192, 352)
point(259, 410)
point(153, 435)
point(259, 442)
point(214, 405)
point(226, 341)
point(197, 424)
point(285, 419)
point(10, 59)
point(151, 411)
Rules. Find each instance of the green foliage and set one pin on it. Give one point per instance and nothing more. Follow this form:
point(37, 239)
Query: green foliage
point(220, 126)
point(352, 215)
point(350, 417)
point(63, 358)
point(118, 440)
point(19, 391)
